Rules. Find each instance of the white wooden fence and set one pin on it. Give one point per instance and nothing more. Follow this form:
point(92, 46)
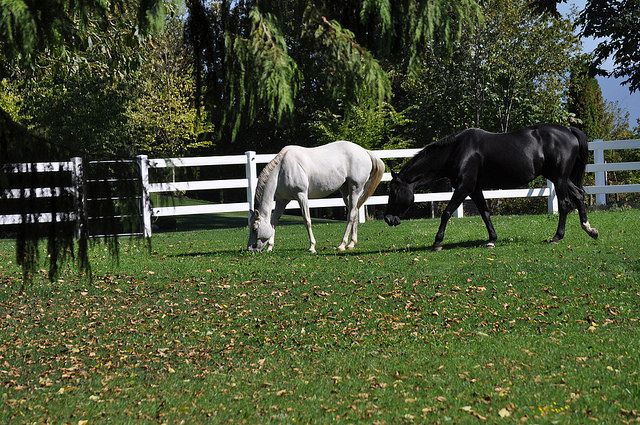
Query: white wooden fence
point(74, 166)
point(250, 160)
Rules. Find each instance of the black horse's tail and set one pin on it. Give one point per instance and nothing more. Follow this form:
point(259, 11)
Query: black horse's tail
point(579, 167)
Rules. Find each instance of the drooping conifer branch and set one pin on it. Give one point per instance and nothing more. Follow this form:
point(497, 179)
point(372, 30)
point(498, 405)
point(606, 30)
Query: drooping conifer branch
point(354, 69)
point(260, 74)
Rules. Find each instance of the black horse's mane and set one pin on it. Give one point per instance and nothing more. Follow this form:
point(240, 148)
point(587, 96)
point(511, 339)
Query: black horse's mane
point(445, 141)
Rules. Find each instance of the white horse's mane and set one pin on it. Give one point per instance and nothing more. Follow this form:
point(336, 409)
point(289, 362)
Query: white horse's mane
point(264, 176)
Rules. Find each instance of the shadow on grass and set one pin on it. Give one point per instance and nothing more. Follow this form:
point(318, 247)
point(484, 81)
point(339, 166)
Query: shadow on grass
point(356, 252)
point(239, 252)
point(477, 243)
point(418, 248)
point(221, 221)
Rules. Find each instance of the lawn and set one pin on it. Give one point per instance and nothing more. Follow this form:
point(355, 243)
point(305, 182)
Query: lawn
point(201, 331)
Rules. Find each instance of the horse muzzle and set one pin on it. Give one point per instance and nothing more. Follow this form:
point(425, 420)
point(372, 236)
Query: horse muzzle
point(392, 220)
point(257, 247)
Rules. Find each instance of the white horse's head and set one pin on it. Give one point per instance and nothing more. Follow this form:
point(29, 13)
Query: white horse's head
point(260, 231)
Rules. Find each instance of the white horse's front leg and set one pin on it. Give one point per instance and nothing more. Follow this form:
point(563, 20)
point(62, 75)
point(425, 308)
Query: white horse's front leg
point(275, 218)
point(304, 207)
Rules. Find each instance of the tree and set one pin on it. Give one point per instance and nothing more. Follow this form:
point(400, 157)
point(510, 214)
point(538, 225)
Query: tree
point(274, 61)
point(586, 102)
point(508, 74)
point(615, 24)
point(62, 30)
point(161, 117)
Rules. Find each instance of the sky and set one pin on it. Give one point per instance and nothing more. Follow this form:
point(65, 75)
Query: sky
point(612, 88)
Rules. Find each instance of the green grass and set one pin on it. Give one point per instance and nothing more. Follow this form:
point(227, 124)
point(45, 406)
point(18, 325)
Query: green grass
point(201, 331)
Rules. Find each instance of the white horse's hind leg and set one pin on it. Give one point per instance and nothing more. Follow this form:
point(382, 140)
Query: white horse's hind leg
point(346, 196)
point(354, 233)
point(351, 232)
point(347, 233)
point(304, 206)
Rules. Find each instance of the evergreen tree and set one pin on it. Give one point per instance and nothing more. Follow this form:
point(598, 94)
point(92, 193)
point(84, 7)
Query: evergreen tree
point(586, 102)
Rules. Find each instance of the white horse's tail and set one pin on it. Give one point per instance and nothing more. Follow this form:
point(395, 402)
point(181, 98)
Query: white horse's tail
point(377, 171)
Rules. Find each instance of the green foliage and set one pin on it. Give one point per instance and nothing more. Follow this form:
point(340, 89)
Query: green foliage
point(142, 102)
point(161, 117)
point(379, 127)
point(378, 13)
point(261, 76)
point(448, 19)
point(11, 100)
point(510, 74)
point(586, 101)
point(351, 73)
point(81, 115)
point(63, 27)
point(290, 59)
point(615, 24)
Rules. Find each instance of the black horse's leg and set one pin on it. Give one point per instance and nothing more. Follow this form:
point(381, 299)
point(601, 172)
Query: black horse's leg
point(564, 206)
point(481, 204)
point(456, 199)
point(577, 196)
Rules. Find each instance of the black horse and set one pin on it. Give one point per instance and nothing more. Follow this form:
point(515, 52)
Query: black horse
point(475, 159)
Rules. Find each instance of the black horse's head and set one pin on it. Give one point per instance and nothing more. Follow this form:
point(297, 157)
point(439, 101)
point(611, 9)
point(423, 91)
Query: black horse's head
point(400, 199)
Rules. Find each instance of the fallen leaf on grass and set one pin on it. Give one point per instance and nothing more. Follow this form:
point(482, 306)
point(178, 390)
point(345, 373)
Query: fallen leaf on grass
point(504, 413)
point(472, 412)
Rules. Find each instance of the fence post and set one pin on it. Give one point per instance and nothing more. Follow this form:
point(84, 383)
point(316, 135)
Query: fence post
point(79, 198)
point(362, 214)
point(145, 202)
point(252, 178)
point(552, 199)
point(601, 176)
point(459, 212)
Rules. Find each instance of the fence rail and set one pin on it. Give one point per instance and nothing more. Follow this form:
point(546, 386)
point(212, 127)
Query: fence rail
point(251, 159)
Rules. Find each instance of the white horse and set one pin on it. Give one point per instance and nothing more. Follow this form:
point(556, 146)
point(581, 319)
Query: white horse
point(306, 173)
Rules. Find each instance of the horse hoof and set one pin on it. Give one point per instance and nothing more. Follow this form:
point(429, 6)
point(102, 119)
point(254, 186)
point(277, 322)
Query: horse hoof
point(591, 231)
point(312, 250)
point(341, 248)
point(490, 245)
point(437, 248)
point(554, 241)
point(351, 246)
